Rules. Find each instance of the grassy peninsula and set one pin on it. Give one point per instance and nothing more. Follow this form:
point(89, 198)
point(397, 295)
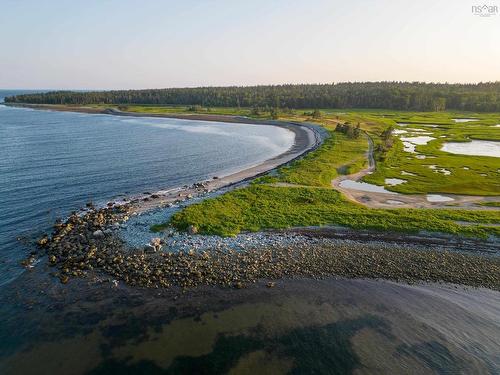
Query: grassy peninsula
point(301, 194)
point(359, 144)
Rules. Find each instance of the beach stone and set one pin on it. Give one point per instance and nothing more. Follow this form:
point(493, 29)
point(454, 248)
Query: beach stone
point(42, 242)
point(98, 234)
point(156, 243)
point(149, 248)
point(192, 229)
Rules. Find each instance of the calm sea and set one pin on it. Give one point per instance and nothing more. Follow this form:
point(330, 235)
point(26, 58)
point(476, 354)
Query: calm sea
point(54, 162)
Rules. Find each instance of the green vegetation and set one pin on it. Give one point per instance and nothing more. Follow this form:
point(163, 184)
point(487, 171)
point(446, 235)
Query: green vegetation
point(263, 206)
point(394, 95)
point(430, 170)
point(301, 195)
point(339, 154)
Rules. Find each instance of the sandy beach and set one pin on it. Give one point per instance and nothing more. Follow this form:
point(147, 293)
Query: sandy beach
point(307, 138)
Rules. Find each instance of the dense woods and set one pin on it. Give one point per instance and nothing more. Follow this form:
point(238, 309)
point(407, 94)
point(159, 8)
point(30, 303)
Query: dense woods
point(484, 97)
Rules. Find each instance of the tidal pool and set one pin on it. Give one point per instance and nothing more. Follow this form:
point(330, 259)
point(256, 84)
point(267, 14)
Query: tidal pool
point(394, 202)
point(399, 131)
point(364, 186)
point(474, 147)
point(438, 198)
point(404, 173)
point(394, 181)
point(464, 119)
point(409, 147)
point(421, 140)
point(437, 169)
point(410, 143)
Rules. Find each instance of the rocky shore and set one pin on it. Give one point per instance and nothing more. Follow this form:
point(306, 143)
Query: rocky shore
point(87, 245)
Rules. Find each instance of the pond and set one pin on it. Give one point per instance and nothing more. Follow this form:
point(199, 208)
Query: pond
point(464, 119)
point(438, 198)
point(394, 181)
point(410, 143)
point(363, 186)
point(475, 148)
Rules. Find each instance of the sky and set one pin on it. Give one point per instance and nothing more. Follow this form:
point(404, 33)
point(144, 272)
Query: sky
point(111, 44)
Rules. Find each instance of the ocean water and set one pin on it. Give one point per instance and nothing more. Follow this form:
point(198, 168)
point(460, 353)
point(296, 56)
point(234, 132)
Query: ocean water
point(54, 162)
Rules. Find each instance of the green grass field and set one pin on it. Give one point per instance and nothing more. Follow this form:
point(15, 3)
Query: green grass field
point(338, 155)
point(307, 199)
point(263, 206)
point(312, 201)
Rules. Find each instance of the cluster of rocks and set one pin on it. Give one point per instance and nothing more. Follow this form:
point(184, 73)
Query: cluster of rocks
point(176, 196)
point(87, 243)
point(84, 242)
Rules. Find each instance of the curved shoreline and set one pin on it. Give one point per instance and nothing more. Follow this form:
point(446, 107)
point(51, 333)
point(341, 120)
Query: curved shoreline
point(87, 244)
point(307, 139)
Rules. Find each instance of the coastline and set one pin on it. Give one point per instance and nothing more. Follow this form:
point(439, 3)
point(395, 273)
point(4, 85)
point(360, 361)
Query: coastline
point(306, 139)
point(97, 249)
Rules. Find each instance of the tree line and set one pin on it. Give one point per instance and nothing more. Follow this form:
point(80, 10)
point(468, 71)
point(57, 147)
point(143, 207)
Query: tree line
point(418, 96)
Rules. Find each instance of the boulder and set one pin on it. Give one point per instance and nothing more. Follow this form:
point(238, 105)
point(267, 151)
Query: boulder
point(156, 243)
point(42, 242)
point(98, 234)
point(149, 248)
point(192, 229)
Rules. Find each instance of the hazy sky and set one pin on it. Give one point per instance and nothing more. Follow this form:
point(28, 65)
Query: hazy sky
point(104, 44)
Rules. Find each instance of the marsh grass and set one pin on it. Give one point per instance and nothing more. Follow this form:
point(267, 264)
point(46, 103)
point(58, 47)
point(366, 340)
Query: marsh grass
point(338, 155)
point(309, 200)
point(263, 206)
point(479, 177)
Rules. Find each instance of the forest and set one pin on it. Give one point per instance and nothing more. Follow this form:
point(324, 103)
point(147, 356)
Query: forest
point(417, 96)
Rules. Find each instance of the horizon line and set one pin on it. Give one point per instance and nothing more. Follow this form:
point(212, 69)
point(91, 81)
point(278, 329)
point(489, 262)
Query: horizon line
point(252, 85)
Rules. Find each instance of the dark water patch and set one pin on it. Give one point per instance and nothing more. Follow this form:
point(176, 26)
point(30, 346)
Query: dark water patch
point(301, 326)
